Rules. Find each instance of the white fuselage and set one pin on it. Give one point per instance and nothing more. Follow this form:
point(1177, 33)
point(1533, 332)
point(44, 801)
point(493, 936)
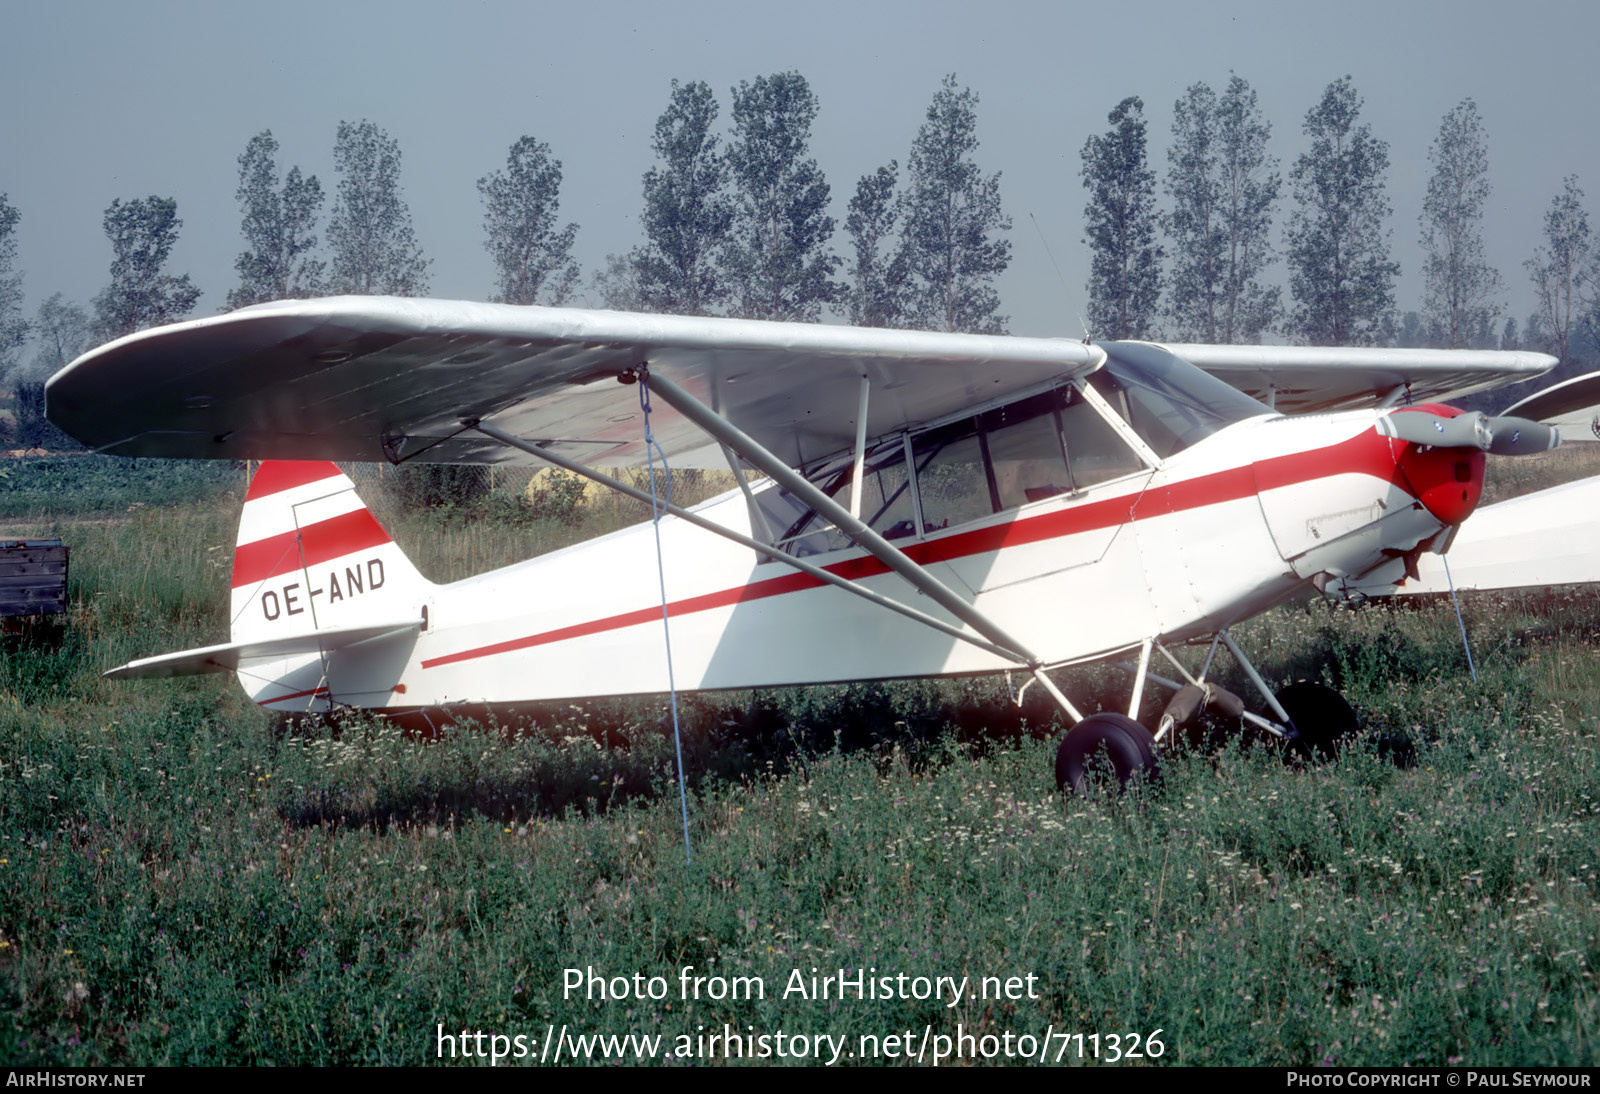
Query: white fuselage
point(1224, 529)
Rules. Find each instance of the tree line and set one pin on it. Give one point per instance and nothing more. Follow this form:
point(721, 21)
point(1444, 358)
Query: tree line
point(736, 223)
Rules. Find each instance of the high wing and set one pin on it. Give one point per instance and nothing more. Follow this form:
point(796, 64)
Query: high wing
point(1316, 379)
point(1572, 405)
point(373, 378)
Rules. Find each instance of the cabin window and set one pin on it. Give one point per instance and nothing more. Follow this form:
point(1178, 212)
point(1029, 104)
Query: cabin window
point(951, 477)
point(886, 505)
point(1096, 453)
point(1026, 458)
point(885, 493)
point(1037, 448)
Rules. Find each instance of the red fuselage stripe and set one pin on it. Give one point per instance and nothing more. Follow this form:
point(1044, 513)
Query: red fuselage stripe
point(1366, 453)
point(321, 542)
point(756, 590)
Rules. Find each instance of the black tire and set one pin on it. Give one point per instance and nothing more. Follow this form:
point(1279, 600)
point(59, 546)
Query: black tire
point(1105, 740)
point(1324, 720)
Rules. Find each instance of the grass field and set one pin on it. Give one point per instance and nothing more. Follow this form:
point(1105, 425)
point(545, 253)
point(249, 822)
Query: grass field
point(181, 882)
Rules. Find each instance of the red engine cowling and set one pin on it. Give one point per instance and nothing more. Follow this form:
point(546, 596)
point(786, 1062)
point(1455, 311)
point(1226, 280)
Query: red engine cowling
point(1448, 481)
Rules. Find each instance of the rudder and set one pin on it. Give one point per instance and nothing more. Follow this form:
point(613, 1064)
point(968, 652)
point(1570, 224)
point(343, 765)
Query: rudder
point(311, 556)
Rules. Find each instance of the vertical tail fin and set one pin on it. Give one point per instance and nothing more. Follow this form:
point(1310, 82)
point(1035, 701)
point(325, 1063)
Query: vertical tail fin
point(311, 556)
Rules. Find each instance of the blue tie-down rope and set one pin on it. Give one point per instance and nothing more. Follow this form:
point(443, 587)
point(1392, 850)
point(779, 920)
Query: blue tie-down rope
point(657, 508)
point(1450, 581)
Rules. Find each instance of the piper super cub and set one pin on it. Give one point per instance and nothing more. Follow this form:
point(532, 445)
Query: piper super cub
point(928, 504)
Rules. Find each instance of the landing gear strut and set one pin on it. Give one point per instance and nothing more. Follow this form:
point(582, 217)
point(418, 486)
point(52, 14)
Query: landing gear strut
point(1311, 718)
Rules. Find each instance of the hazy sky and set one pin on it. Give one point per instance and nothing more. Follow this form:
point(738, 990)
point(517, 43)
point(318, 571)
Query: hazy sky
point(108, 100)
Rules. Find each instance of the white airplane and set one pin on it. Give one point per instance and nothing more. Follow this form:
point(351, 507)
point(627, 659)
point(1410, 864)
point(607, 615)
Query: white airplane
point(933, 504)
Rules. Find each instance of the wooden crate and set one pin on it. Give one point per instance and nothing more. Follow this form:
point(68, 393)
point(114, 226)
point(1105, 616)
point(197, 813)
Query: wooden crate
point(33, 577)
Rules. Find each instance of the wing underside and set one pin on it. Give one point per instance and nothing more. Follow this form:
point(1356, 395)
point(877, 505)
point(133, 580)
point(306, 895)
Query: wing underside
point(373, 378)
point(381, 378)
point(1572, 405)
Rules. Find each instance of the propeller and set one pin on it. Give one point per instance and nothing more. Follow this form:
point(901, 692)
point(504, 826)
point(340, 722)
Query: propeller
point(1511, 436)
point(1504, 435)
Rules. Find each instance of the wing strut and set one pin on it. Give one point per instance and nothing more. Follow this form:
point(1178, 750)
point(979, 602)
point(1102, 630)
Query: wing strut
point(861, 449)
point(769, 551)
point(758, 519)
point(885, 552)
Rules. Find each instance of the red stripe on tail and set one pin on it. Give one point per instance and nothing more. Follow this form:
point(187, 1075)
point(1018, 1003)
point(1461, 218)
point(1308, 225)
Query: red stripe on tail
point(320, 542)
point(276, 476)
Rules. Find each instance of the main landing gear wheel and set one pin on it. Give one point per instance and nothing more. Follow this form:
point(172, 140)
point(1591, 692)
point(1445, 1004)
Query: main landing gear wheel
point(1102, 743)
point(1325, 721)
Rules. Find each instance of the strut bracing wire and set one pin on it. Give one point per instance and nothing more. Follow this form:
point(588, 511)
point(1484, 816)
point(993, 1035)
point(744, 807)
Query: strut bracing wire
point(651, 450)
point(1448, 580)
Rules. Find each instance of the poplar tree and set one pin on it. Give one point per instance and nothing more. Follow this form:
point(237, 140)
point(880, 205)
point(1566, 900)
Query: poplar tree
point(875, 295)
point(778, 261)
point(532, 257)
point(278, 226)
point(142, 234)
point(1560, 268)
point(1340, 273)
point(13, 327)
point(1461, 285)
point(1508, 336)
point(1120, 227)
point(373, 248)
point(687, 213)
point(952, 222)
point(616, 283)
point(62, 331)
point(1223, 187)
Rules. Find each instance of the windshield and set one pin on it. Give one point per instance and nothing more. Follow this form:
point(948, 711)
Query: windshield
point(1170, 403)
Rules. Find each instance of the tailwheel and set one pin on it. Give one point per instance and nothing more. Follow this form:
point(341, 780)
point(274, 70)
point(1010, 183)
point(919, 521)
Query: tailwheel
point(1324, 720)
point(1101, 746)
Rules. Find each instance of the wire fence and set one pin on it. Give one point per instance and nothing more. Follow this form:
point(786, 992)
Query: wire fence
point(472, 479)
point(35, 486)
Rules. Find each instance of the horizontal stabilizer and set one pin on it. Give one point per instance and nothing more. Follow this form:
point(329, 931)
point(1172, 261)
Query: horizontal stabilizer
point(1537, 540)
point(230, 655)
